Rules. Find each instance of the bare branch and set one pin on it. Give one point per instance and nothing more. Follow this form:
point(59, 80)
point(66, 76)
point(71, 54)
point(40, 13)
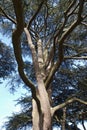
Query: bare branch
point(61, 41)
point(17, 45)
point(7, 16)
point(60, 30)
point(68, 31)
point(74, 24)
point(36, 13)
point(32, 47)
point(81, 4)
point(76, 58)
point(70, 6)
point(73, 10)
point(51, 74)
point(17, 48)
point(58, 63)
point(83, 23)
point(74, 99)
point(69, 46)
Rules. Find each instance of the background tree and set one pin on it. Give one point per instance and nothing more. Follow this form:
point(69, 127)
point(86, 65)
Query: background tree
point(49, 28)
point(6, 66)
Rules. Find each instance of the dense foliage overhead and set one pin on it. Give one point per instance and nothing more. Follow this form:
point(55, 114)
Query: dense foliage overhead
point(50, 46)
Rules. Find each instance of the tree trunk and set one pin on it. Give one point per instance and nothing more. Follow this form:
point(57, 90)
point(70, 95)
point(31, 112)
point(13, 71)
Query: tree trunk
point(35, 116)
point(41, 116)
point(41, 121)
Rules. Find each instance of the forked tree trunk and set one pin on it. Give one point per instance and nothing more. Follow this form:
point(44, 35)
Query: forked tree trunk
point(41, 118)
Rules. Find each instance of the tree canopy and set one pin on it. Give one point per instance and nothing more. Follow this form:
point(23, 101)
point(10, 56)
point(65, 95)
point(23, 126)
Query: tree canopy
point(6, 66)
point(49, 43)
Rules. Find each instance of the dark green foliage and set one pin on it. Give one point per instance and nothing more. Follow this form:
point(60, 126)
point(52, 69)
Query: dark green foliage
point(18, 121)
point(7, 62)
point(22, 119)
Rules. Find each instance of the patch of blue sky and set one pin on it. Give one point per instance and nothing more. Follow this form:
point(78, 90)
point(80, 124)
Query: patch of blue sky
point(8, 103)
point(81, 127)
point(5, 39)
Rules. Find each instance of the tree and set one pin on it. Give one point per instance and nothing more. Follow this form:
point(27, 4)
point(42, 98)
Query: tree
point(6, 66)
point(47, 27)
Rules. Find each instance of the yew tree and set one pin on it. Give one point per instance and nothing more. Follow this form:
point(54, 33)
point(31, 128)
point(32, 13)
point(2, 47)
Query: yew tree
point(48, 27)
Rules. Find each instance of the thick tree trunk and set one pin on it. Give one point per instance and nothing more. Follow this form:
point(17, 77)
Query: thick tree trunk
point(35, 116)
point(42, 116)
point(42, 121)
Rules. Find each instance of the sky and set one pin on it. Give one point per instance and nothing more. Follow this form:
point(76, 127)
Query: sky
point(7, 100)
point(8, 103)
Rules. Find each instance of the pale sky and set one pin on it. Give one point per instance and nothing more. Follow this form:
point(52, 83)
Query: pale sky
point(8, 103)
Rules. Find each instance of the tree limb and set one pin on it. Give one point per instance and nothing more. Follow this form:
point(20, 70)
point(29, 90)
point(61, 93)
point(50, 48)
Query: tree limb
point(70, 6)
point(7, 16)
point(36, 12)
point(74, 99)
point(51, 74)
point(83, 23)
point(17, 44)
point(81, 4)
point(32, 47)
point(61, 41)
point(76, 58)
point(58, 63)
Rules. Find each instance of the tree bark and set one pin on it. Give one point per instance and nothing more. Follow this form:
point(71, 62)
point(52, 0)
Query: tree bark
point(45, 104)
point(35, 116)
point(42, 120)
point(44, 113)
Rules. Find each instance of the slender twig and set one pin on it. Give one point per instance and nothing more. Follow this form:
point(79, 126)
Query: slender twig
point(83, 23)
point(7, 16)
point(76, 58)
